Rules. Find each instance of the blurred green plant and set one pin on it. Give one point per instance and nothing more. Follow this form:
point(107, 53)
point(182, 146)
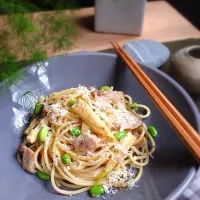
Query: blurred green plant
point(24, 35)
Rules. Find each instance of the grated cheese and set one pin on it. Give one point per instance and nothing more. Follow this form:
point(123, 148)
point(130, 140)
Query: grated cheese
point(132, 184)
point(66, 146)
point(57, 111)
point(131, 172)
point(117, 177)
point(124, 118)
point(103, 106)
point(55, 107)
point(109, 189)
point(92, 89)
point(106, 188)
point(121, 148)
point(84, 92)
point(62, 112)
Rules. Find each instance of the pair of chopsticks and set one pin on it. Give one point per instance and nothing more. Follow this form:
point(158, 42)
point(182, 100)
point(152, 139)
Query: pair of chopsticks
point(186, 132)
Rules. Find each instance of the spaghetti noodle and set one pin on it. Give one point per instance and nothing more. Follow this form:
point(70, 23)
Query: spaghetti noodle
point(98, 132)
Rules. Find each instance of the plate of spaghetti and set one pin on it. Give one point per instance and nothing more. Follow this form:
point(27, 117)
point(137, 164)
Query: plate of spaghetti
point(87, 139)
point(80, 126)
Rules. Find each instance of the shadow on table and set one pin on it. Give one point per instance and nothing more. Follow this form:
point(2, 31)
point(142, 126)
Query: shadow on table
point(86, 22)
point(189, 9)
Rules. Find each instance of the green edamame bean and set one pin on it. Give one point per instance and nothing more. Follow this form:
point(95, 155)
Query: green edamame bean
point(43, 176)
point(105, 88)
point(153, 132)
point(75, 131)
point(72, 102)
point(134, 107)
point(66, 159)
point(38, 109)
point(97, 190)
point(120, 135)
point(42, 134)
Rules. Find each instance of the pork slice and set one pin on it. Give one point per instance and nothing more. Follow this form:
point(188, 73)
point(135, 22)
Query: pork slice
point(101, 101)
point(86, 142)
point(28, 162)
point(122, 119)
point(115, 96)
point(104, 98)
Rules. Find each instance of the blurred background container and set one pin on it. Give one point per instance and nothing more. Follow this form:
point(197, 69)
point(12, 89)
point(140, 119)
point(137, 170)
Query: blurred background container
point(117, 16)
point(188, 8)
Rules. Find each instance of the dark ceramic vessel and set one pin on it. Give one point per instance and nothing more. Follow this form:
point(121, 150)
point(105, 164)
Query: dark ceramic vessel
point(185, 68)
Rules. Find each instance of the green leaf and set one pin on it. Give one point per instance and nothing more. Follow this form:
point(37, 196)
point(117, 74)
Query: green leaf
point(20, 33)
point(21, 24)
point(38, 55)
point(62, 43)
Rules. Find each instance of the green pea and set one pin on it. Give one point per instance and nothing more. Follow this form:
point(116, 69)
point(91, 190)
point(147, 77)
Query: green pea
point(66, 159)
point(134, 107)
point(43, 176)
point(42, 134)
point(75, 132)
point(105, 88)
point(72, 102)
point(38, 109)
point(153, 132)
point(120, 135)
point(97, 190)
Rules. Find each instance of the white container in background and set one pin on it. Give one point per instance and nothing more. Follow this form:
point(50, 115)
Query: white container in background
point(119, 16)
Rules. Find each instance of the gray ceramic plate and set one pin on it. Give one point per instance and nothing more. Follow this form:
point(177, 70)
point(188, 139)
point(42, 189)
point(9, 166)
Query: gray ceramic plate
point(165, 177)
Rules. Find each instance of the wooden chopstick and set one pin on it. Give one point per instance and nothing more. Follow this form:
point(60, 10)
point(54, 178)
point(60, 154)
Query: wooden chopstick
point(172, 109)
point(190, 137)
